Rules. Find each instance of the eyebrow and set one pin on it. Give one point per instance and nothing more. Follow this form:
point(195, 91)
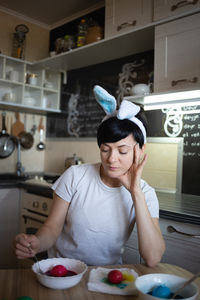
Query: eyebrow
point(120, 146)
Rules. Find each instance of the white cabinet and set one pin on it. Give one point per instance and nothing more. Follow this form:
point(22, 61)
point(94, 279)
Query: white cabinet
point(165, 9)
point(22, 84)
point(177, 47)
point(124, 16)
point(181, 249)
point(9, 226)
point(130, 252)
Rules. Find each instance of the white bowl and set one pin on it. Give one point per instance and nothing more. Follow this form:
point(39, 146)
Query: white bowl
point(59, 282)
point(146, 283)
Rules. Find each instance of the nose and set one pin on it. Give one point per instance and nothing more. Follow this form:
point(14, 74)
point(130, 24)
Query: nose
point(112, 156)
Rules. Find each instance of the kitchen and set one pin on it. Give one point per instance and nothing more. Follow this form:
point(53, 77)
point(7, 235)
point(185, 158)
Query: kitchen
point(182, 210)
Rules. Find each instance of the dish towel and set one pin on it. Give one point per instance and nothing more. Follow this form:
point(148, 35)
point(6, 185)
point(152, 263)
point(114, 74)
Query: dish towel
point(98, 282)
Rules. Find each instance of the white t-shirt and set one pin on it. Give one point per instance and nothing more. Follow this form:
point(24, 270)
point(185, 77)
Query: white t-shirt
point(99, 219)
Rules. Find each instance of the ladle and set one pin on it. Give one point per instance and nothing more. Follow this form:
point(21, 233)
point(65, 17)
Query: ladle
point(185, 284)
point(41, 145)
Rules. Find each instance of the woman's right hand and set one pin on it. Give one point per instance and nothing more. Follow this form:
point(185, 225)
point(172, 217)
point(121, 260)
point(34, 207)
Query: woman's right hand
point(26, 245)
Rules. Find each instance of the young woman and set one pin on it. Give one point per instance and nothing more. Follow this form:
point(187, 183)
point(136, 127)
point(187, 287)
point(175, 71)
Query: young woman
point(96, 206)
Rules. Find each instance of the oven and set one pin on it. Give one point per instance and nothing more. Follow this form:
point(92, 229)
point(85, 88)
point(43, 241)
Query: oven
point(34, 211)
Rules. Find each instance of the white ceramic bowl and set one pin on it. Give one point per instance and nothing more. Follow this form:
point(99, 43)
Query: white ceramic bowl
point(146, 283)
point(59, 282)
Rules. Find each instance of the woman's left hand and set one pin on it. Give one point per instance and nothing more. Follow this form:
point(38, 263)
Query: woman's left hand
point(131, 179)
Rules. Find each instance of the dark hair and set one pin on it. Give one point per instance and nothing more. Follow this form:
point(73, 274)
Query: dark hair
point(113, 130)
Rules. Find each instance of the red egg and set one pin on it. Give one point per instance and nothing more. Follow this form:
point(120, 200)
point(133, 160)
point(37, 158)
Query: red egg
point(58, 271)
point(115, 276)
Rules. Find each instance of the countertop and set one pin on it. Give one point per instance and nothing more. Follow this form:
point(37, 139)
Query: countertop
point(22, 282)
point(178, 207)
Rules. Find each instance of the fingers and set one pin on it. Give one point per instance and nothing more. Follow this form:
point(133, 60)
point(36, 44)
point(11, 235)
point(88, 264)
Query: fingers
point(22, 245)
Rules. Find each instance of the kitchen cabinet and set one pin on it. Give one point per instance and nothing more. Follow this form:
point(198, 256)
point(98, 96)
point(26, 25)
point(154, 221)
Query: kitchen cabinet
point(9, 225)
point(122, 17)
point(24, 85)
point(181, 249)
point(130, 251)
point(166, 9)
point(33, 213)
point(177, 47)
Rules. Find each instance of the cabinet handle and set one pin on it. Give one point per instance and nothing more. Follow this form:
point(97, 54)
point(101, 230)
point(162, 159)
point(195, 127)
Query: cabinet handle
point(175, 82)
point(172, 229)
point(126, 24)
point(183, 3)
point(26, 218)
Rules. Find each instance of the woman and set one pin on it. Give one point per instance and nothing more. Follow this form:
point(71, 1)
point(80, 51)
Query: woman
point(96, 206)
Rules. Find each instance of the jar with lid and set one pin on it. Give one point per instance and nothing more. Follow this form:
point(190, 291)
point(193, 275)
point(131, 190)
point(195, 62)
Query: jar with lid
point(82, 32)
point(94, 32)
point(31, 79)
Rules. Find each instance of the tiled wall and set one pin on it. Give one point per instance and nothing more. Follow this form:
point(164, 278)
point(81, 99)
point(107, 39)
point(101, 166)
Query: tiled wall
point(31, 159)
point(159, 171)
point(58, 150)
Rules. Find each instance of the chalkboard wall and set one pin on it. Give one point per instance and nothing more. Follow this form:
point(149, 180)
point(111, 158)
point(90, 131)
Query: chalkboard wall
point(81, 114)
point(85, 114)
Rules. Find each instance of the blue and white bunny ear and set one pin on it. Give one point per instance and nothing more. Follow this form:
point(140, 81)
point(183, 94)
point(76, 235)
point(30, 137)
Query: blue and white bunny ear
point(107, 101)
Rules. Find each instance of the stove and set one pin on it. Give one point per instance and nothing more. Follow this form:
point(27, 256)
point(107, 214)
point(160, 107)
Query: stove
point(43, 180)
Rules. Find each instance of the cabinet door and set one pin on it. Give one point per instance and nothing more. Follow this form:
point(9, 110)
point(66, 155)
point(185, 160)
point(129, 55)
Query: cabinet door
point(9, 226)
point(177, 47)
point(164, 9)
point(181, 250)
point(124, 16)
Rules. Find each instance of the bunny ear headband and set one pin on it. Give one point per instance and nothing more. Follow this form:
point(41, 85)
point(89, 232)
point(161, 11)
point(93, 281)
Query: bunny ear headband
point(127, 110)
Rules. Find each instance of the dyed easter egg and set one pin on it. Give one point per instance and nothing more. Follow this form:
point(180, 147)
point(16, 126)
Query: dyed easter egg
point(58, 271)
point(161, 291)
point(115, 276)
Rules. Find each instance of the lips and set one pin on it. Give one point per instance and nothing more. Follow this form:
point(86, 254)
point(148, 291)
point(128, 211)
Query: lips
point(112, 168)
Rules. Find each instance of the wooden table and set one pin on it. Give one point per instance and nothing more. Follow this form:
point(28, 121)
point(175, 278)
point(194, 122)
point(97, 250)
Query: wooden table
point(23, 282)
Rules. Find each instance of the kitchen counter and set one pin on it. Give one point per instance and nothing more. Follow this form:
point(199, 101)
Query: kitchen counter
point(23, 282)
point(178, 207)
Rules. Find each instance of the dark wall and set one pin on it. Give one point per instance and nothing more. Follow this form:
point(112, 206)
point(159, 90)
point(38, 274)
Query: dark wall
point(87, 114)
point(81, 83)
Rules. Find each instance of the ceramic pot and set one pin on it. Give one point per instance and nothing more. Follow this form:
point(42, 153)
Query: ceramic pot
point(140, 89)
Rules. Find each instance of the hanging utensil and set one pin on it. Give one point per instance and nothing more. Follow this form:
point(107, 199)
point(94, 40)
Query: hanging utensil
point(41, 146)
point(34, 126)
point(26, 138)
point(7, 143)
point(18, 126)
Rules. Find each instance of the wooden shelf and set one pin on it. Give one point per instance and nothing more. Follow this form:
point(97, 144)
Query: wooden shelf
point(15, 107)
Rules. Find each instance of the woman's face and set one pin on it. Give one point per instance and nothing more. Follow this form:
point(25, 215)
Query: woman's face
point(117, 158)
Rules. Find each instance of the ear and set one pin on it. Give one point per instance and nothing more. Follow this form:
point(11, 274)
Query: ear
point(107, 101)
